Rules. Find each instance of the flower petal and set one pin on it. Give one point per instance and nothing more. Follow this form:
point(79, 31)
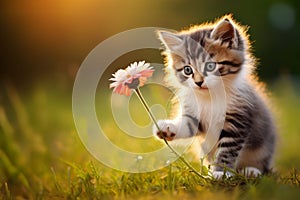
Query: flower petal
point(114, 84)
point(142, 81)
point(141, 63)
point(127, 91)
point(118, 89)
point(147, 73)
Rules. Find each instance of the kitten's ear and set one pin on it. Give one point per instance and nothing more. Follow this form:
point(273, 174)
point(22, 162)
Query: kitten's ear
point(225, 31)
point(171, 40)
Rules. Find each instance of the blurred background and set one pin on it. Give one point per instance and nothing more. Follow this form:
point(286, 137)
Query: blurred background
point(43, 43)
point(45, 39)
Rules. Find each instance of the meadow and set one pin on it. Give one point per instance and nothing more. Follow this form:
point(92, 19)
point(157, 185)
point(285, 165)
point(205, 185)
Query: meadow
point(43, 44)
point(42, 156)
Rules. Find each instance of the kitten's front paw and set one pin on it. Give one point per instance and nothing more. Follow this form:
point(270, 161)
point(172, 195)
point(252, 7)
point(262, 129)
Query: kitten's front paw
point(168, 130)
point(251, 172)
point(220, 174)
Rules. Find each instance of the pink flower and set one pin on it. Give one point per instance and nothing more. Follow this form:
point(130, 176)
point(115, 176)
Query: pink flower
point(132, 77)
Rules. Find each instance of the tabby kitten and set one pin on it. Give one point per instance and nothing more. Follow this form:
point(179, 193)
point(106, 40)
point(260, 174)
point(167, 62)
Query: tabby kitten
point(195, 60)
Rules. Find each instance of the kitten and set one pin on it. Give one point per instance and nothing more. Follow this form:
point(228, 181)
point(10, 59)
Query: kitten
point(195, 60)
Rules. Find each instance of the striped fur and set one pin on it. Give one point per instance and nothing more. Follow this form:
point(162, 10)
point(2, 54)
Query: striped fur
point(195, 60)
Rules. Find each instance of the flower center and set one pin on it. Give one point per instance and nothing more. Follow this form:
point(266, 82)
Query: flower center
point(134, 84)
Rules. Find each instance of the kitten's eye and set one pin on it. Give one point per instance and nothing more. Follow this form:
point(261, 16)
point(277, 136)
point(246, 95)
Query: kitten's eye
point(187, 70)
point(209, 66)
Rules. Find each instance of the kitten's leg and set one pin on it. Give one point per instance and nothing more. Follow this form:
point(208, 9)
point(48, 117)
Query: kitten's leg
point(228, 150)
point(183, 127)
point(187, 123)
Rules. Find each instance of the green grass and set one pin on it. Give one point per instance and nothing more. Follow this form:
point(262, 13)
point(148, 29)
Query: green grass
point(42, 157)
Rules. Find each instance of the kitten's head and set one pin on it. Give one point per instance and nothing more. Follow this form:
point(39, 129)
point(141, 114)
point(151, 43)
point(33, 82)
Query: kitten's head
point(203, 55)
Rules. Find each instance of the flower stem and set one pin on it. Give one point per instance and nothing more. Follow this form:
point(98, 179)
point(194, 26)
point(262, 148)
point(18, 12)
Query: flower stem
point(140, 96)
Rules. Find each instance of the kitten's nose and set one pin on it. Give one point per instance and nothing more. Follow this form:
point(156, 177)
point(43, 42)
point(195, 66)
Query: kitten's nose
point(199, 83)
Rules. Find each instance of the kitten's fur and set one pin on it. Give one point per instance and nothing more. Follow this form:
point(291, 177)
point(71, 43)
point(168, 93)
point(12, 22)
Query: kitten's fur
point(247, 138)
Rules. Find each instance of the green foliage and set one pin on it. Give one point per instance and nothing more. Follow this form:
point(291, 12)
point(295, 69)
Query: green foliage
point(41, 157)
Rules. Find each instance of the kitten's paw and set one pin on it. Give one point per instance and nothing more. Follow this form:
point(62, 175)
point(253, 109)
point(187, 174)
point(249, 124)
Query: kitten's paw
point(220, 174)
point(168, 130)
point(251, 172)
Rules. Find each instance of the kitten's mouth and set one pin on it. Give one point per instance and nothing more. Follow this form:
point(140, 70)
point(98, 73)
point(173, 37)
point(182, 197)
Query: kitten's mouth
point(203, 88)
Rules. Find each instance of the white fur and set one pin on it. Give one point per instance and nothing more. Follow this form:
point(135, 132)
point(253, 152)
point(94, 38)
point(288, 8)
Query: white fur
point(220, 174)
point(167, 126)
point(251, 172)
